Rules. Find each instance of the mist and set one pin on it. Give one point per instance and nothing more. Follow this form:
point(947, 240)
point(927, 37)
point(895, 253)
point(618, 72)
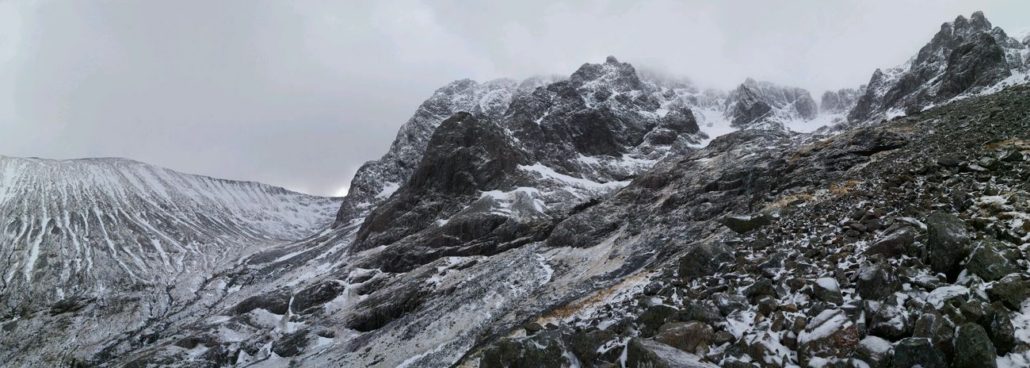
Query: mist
point(301, 93)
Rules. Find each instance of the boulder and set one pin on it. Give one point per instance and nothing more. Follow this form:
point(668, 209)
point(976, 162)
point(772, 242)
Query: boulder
point(654, 317)
point(988, 262)
point(585, 344)
point(876, 352)
point(761, 287)
point(896, 243)
point(827, 290)
point(1001, 330)
point(830, 334)
point(1011, 290)
point(745, 223)
point(917, 352)
point(691, 337)
point(947, 243)
point(875, 282)
point(938, 329)
point(888, 320)
point(541, 350)
point(703, 260)
point(699, 311)
point(646, 353)
point(729, 303)
point(973, 348)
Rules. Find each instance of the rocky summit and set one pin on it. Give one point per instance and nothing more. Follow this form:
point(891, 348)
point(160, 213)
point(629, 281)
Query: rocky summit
point(610, 218)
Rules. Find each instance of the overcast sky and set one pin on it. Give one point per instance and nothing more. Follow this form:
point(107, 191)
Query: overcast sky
point(300, 93)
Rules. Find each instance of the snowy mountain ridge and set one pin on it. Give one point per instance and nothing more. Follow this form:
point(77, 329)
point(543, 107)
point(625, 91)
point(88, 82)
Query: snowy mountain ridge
point(76, 226)
point(610, 218)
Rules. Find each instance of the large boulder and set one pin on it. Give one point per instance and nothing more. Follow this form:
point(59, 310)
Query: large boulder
point(874, 351)
point(894, 244)
point(831, 333)
point(947, 243)
point(654, 317)
point(586, 344)
point(745, 223)
point(691, 337)
point(827, 290)
point(973, 348)
point(1011, 290)
point(919, 352)
point(1001, 330)
point(703, 260)
point(875, 282)
point(938, 329)
point(646, 353)
point(888, 319)
point(988, 262)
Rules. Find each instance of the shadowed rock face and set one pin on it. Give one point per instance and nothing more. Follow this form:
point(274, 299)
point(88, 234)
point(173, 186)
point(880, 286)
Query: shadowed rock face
point(376, 180)
point(754, 103)
point(485, 185)
point(840, 101)
point(966, 56)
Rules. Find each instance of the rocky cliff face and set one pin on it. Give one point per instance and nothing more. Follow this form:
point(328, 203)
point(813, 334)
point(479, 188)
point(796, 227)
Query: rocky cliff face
point(967, 56)
point(765, 105)
point(840, 101)
point(377, 180)
point(582, 221)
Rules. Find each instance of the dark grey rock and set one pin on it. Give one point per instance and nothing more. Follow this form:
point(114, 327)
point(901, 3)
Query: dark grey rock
point(947, 243)
point(1011, 290)
point(939, 329)
point(988, 262)
point(703, 260)
point(291, 344)
point(897, 243)
point(876, 282)
point(915, 352)
point(973, 348)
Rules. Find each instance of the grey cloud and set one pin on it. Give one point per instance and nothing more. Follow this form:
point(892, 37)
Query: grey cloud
point(300, 93)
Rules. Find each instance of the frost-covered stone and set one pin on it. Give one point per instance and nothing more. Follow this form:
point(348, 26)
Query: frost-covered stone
point(644, 353)
point(827, 289)
point(874, 351)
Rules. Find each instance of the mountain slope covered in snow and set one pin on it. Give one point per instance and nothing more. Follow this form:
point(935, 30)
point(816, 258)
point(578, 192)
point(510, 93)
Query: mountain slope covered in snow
point(608, 218)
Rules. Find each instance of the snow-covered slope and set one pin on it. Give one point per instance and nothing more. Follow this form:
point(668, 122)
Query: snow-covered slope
point(599, 203)
point(75, 227)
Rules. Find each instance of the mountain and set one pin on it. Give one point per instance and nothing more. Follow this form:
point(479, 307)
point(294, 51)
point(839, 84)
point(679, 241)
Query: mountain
point(966, 57)
point(754, 102)
point(609, 218)
point(83, 234)
point(839, 101)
